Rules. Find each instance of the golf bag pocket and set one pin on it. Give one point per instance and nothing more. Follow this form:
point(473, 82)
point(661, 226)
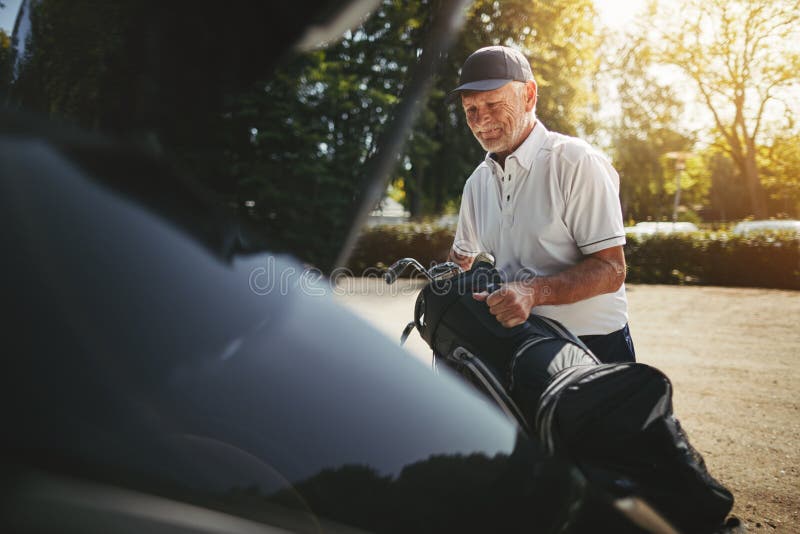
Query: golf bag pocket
point(616, 422)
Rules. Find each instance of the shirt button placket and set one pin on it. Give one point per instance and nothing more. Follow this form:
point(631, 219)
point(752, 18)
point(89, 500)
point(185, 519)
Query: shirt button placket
point(508, 216)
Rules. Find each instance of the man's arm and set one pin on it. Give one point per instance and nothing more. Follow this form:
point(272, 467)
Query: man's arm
point(598, 273)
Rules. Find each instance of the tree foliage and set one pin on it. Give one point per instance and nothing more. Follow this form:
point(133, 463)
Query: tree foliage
point(6, 63)
point(646, 129)
point(728, 198)
point(780, 175)
point(741, 56)
point(286, 142)
point(66, 70)
point(299, 140)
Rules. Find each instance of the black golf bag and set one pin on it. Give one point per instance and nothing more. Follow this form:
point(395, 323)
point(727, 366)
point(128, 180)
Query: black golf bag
point(613, 420)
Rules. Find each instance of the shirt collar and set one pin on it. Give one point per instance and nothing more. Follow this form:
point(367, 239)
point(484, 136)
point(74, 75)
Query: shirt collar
point(525, 153)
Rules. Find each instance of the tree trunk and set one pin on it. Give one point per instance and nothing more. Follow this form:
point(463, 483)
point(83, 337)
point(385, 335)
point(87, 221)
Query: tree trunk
point(415, 202)
point(438, 194)
point(758, 198)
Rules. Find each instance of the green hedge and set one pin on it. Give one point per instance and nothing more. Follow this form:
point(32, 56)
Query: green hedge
point(715, 258)
point(381, 246)
point(709, 258)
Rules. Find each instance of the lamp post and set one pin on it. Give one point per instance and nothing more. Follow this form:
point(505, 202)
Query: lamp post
point(680, 164)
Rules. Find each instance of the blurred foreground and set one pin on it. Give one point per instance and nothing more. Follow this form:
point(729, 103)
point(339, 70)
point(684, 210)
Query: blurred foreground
point(732, 355)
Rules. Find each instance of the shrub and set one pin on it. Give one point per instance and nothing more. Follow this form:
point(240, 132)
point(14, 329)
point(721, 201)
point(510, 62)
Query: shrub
point(381, 246)
point(769, 260)
point(716, 258)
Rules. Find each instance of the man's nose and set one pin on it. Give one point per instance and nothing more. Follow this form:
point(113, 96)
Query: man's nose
point(481, 116)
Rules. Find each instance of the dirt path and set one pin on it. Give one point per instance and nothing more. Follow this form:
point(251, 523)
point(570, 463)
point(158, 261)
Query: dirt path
point(734, 358)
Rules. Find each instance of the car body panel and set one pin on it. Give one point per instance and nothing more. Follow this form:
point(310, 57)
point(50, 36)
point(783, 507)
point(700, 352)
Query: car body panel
point(648, 228)
point(143, 356)
point(772, 225)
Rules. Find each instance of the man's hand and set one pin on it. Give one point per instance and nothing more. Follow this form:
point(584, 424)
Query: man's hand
point(598, 273)
point(511, 304)
point(462, 260)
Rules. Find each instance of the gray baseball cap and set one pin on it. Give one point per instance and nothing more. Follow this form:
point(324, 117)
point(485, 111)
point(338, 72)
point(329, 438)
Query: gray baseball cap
point(491, 67)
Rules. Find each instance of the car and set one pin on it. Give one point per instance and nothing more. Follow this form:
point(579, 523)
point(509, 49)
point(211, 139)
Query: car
point(168, 370)
point(449, 220)
point(745, 228)
point(648, 228)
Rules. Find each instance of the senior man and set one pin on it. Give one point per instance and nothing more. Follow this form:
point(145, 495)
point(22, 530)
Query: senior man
point(546, 206)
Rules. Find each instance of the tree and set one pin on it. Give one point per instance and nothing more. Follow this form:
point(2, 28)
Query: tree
point(286, 141)
point(298, 142)
point(728, 198)
point(71, 51)
point(6, 63)
point(647, 128)
point(740, 57)
point(781, 174)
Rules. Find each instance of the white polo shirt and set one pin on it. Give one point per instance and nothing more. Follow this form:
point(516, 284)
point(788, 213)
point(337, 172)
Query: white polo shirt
point(556, 201)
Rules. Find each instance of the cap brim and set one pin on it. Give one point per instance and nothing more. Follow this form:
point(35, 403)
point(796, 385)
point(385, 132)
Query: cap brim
point(480, 85)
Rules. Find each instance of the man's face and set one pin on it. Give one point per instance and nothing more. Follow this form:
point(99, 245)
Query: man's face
point(498, 118)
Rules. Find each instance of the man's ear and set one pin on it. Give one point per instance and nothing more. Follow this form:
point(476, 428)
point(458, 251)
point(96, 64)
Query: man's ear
point(531, 95)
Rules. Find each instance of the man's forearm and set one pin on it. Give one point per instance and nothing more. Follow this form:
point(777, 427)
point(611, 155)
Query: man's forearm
point(603, 272)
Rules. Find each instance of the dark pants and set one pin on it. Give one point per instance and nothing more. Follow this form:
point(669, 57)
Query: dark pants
point(614, 347)
point(532, 370)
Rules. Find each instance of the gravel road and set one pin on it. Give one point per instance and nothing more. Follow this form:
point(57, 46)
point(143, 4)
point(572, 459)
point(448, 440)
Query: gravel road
point(734, 358)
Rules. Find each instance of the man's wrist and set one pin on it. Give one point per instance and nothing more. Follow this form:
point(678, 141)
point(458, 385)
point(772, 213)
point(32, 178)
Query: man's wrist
point(540, 290)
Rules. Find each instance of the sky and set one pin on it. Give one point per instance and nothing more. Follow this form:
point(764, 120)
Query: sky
point(617, 13)
point(8, 14)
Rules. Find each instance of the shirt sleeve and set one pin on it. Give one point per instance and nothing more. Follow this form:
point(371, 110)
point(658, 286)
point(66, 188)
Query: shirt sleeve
point(466, 241)
point(593, 212)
